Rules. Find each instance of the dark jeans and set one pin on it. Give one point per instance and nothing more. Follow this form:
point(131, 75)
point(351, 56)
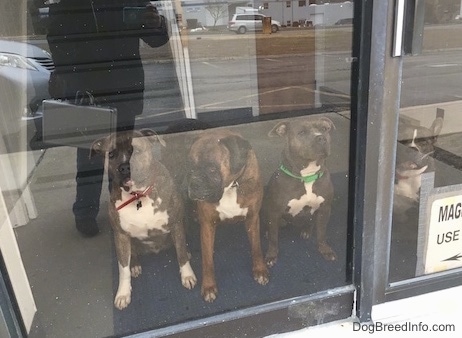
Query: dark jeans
point(90, 172)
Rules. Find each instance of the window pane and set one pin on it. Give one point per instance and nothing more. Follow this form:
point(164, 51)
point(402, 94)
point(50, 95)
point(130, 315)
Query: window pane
point(428, 167)
point(253, 125)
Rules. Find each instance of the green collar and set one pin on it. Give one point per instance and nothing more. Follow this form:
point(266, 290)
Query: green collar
point(306, 179)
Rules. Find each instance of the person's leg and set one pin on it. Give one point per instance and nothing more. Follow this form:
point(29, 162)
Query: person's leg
point(89, 181)
point(126, 113)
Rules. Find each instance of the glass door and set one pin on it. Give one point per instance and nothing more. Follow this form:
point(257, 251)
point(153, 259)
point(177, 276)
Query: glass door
point(276, 114)
point(425, 241)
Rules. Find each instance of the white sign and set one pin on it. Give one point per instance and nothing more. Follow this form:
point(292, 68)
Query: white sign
point(444, 241)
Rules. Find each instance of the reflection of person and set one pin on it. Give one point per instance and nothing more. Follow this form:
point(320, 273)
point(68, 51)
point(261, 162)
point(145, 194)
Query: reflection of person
point(95, 47)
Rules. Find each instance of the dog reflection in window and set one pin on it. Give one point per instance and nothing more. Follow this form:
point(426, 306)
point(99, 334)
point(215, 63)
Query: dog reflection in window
point(414, 156)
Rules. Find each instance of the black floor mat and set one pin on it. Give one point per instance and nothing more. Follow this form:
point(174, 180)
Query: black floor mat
point(159, 299)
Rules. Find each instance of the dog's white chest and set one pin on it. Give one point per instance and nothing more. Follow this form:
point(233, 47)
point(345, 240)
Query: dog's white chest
point(228, 206)
point(138, 220)
point(409, 188)
point(309, 199)
point(409, 185)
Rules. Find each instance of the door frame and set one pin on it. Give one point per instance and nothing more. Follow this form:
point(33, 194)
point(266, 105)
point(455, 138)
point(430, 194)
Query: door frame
point(380, 146)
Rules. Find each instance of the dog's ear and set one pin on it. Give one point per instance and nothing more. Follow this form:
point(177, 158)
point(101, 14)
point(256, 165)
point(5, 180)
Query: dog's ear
point(153, 136)
point(279, 129)
point(329, 121)
point(436, 127)
point(238, 151)
point(98, 147)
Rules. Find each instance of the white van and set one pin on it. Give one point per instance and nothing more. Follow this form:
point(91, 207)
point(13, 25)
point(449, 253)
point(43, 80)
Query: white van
point(242, 23)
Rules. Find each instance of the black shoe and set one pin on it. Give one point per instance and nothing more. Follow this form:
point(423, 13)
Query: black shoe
point(88, 227)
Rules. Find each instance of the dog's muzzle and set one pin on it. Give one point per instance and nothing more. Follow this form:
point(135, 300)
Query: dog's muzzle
point(124, 169)
point(412, 158)
point(320, 146)
point(321, 140)
point(124, 174)
point(199, 191)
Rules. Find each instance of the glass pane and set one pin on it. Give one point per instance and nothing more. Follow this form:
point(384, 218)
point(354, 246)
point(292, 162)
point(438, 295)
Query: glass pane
point(423, 240)
point(242, 129)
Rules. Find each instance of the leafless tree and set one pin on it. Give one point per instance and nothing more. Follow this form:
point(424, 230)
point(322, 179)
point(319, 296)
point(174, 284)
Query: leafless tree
point(217, 9)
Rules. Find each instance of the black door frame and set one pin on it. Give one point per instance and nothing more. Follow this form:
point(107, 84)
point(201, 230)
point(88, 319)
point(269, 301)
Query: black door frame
point(373, 232)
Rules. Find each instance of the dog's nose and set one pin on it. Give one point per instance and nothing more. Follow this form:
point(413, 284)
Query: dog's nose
point(124, 168)
point(321, 139)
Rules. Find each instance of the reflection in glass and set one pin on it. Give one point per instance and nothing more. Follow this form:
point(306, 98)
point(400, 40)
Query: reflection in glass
point(273, 87)
point(429, 135)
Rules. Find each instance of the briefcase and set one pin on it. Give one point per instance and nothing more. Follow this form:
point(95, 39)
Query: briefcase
point(76, 125)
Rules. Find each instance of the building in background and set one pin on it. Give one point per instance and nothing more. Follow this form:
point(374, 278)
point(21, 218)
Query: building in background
point(303, 12)
point(216, 13)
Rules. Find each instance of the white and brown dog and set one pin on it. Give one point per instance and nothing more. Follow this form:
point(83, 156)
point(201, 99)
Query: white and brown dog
point(145, 209)
point(225, 182)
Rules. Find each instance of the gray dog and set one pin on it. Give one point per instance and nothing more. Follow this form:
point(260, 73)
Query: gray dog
point(300, 191)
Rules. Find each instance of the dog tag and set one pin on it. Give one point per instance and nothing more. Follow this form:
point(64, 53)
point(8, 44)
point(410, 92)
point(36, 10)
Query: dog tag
point(138, 205)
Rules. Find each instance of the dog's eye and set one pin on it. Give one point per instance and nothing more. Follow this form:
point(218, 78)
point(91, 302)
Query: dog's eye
point(111, 154)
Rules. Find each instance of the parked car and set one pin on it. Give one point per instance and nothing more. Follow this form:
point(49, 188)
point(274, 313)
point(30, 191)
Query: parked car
point(242, 23)
point(24, 73)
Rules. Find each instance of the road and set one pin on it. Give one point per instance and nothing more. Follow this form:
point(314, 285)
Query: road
point(223, 84)
point(432, 78)
point(229, 71)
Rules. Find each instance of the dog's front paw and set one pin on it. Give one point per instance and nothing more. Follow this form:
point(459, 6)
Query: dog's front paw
point(271, 261)
point(121, 301)
point(261, 276)
point(189, 282)
point(327, 252)
point(135, 271)
point(209, 293)
point(271, 258)
point(188, 278)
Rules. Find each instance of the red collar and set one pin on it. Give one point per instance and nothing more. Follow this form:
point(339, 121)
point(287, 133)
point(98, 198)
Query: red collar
point(136, 196)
